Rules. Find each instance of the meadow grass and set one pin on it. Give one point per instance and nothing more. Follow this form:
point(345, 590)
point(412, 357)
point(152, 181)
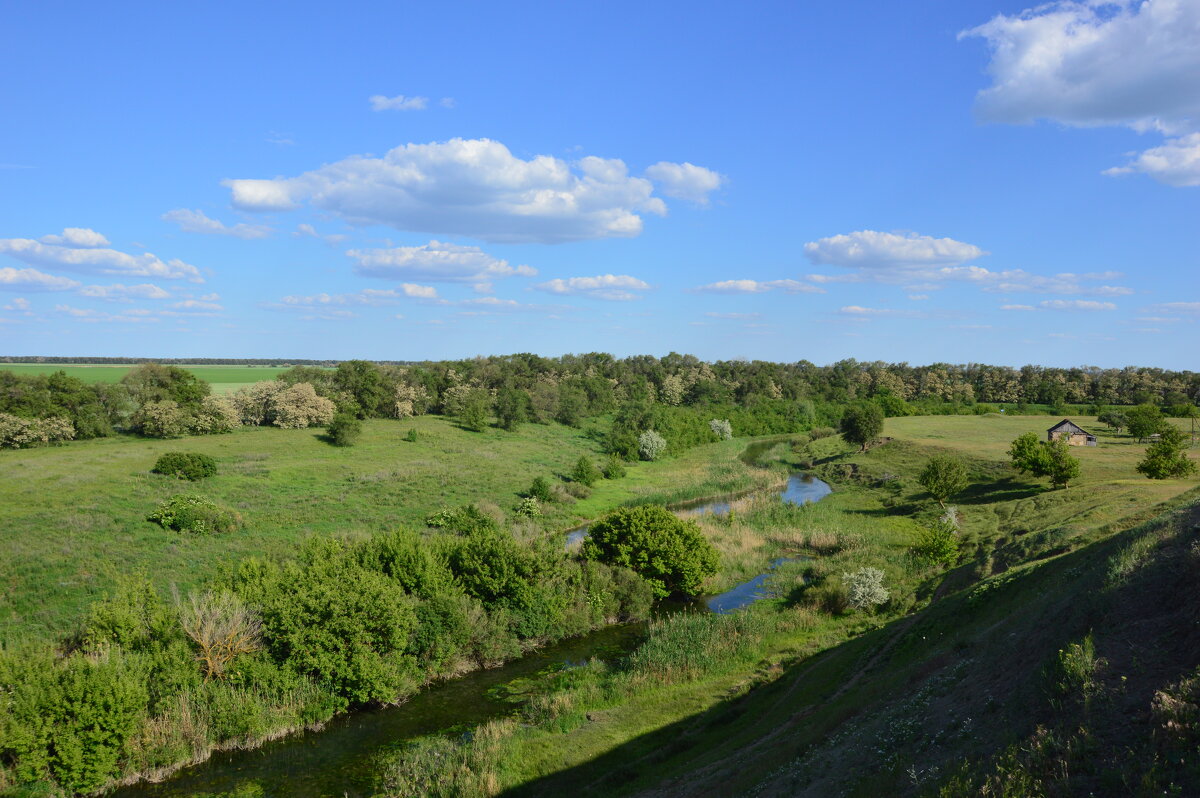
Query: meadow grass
point(72, 516)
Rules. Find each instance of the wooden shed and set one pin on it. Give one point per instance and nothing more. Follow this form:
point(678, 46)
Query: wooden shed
point(1074, 434)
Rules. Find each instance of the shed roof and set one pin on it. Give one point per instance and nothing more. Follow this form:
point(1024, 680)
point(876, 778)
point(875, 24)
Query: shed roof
point(1067, 425)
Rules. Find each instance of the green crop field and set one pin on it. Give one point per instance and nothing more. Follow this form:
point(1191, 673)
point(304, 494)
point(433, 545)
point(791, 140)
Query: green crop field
point(71, 515)
point(224, 379)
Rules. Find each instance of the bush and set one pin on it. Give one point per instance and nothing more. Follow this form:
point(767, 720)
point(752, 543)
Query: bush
point(195, 514)
point(529, 507)
point(344, 429)
point(817, 433)
point(943, 476)
point(864, 588)
point(613, 468)
point(585, 472)
point(165, 419)
point(191, 466)
point(21, 433)
point(938, 544)
point(668, 552)
point(411, 436)
point(1167, 458)
point(721, 428)
point(540, 490)
point(651, 445)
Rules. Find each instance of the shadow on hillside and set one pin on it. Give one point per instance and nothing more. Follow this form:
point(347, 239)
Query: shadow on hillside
point(1003, 490)
point(990, 652)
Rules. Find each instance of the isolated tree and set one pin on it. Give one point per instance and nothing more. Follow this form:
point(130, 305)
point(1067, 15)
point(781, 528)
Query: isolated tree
point(942, 477)
point(344, 429)
point(1167, 458)
point(1027, 455)
point(1144, 421)
point(861, 424)
point(669, 552)
point(721, 428)
point(1061, 467)
point(540, 490)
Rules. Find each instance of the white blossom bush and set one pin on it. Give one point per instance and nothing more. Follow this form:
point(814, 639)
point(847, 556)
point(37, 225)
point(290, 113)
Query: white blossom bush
point(299, 407)
point(651, 445)
point(864, 588)
point(21, 433)
point(721, 428)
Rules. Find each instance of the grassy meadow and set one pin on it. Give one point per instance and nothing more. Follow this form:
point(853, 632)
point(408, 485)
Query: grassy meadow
point(792, 698)
point(73, 515)
point(223, 379)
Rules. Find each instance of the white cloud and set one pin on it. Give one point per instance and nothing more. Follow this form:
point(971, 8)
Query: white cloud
point(32, 280)
point(468, 187)
point(1076, 304)
point(303, 230)
point(19, 303)
point(1093, 63)
point(195, 305)
point(1177, 307)
point(918, 297)
point(197, 222)
point(436, 261)
point(685, 181)
point(870, 249)
point(102, 261)
point(77, 237)
point(398, 103)
point(834, 278)
point(612, 287)
point(1017, 307)
point(859, 311)
point(734, 316)
point(1176, 162)
point(131, 316)
point(447, 102)
point(759, 287)
point(368, 296)
point(124, 292)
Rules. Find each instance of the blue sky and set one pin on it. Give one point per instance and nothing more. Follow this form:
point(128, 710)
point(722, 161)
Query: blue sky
point(935, 181)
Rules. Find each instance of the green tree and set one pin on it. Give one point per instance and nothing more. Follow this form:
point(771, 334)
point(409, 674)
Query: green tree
point(512, 408)
point(1061, 467)
point(1044, 459)
point(473, 413)
point(585, 472)
point(344, 429)
point(1115, 419)
point(668, 552)
point(366, 383)
point(861, 424)
point(942, 477)
point(1144, 421)
point(1167, 458)
point(1027, 455)
point(540, 490)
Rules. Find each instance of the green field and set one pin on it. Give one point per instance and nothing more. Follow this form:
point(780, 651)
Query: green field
point(71, 516)
point(224, 379)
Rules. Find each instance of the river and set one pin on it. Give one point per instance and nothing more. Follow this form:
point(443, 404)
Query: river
point(339, 759)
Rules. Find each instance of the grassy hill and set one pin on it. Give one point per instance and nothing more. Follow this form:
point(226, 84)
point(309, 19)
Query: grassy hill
point(223, 379)
point(1059, 656)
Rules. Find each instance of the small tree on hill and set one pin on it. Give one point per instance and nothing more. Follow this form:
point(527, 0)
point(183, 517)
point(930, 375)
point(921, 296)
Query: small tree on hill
point(1044, 459)
point(651, 445)
point(585, 472)
point(1166, 458)
point(344, 429)
point(721, 428)
point(1115, 420)
point(540, 490)
point(864, 588)
point(861, 424)
point(943, 476)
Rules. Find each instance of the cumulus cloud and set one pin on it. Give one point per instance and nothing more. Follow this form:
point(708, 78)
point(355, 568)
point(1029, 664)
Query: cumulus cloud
point(19, 303)
point(1176, 162)
point(124, 293)
point(32, 280)
point(398, 103)
point(77, 237)
point(1017, 307)
point(468, 187)
point(1094, 63)
point(197, 222)
point(759, 287)
point(860, 312)
point(307, 230)
point(612, 287)
point(685, 181)
point(870, 249)
point(97, 260)
point(1177, 307)
point(132, 316)
point(436, 261)
point(368, 296)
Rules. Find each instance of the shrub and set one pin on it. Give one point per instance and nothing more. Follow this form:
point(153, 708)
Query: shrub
point(529, 507)
point(191, 466)
point(651, 445)
point(613, 468)
point(195, 514)
point(411, 436)
point(817, 433)
point(540, 490)
point(21, 433)
point(165, 419)
point(721, 428)
point(299, 406)
point(938, 544)
point(344, 429)
point(864, 588)
point(943, 476)
point(585, 472)
point(668, 552)
point(1167, 458)
point(216, 415)
point(577, 490)
point(222, 628)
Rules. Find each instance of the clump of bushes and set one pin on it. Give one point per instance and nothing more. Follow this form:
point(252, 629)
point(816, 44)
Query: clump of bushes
point(21, 433)
point(344, 429)
point(191, 466)
point(540, 490)
point(668, 552)
point(585, 472)
point(196, 515)
point(613, 468)
point(651, 445)
point(529, 507)
point(411, 435)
